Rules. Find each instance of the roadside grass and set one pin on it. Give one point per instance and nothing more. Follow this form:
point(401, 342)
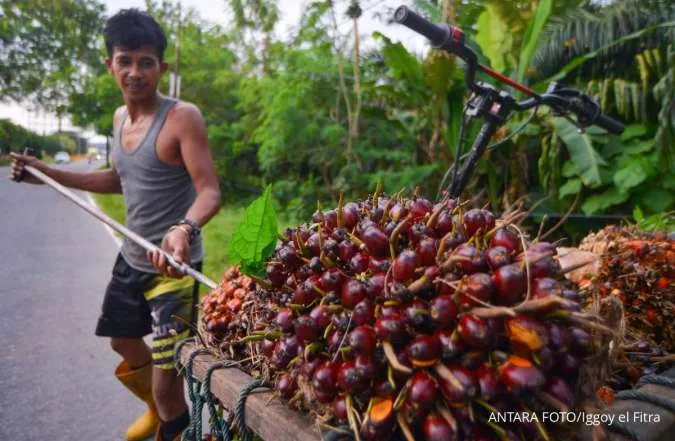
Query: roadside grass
point(216, 234)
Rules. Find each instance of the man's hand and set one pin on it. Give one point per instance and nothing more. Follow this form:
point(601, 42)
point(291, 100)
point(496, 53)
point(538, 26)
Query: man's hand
point(18, 163)
point(175, 243)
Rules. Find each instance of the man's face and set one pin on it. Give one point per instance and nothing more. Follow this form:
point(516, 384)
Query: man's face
point(137, 72)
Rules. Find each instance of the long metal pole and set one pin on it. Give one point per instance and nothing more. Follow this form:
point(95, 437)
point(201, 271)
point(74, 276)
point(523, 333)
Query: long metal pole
point(146, 244)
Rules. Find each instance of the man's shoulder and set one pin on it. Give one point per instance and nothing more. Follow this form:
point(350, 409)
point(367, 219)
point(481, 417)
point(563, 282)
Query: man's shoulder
point(185, 113)
point(117, 115)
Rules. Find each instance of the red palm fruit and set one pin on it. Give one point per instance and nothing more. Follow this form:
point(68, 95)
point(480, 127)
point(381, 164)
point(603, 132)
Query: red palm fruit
point(330, 219)
point(417, 314)
point(418, 232)
point(275, 274)
point(289, 258)
point(313, 244)
point(498, 256)
point(339, 235)
point(359, 262)
point(559, 338)
point(304, 294)
point(284, 319)
point(380, 421)
point(581, 343)
point(426, 252)
point(366, 366)
point(331, 280)
point(450, 344)
point(542, 247)
point(267, 347)
point(339, 408)
point(477, 220)
point(350, 214)
point(546, 286)
point(325, 378)
point(353, 291)
point(331, 248)
point(469, 259)
point(404, 266)
point(478, 285)
point(443, 311)
point(422, 390)
point(375, 285)
point(286, 386)
point(306, 329)
point(398, 212)
point(540, 266)
point(457, 383)
point(321, 316)
point(443, 224)
point(518, 375)
point(437, 429)
point(363, 340)
point(308, 367)
point(376, 265)
point(387, 310)
point(546, 359)
point(443, 288)
point(279, 358)
point(510, 284)
point(453, 241)
point(363, 225)
point(567, 365)
point(508, 238)
point(347, 250)
point(334, 339)
point(376, 241)
point(350, 379)
point(559, 389)
point(488, 384)
point(526, 332)
point(391, 328)
point(364, 313)
point(419, 208)
point(423, 351)
point(384, 389)
point(572, 295)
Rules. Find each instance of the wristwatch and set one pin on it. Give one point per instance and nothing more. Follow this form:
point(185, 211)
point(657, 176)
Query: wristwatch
point(194, 228)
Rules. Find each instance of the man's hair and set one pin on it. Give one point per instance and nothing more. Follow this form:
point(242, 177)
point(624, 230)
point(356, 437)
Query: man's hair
point(131, 29)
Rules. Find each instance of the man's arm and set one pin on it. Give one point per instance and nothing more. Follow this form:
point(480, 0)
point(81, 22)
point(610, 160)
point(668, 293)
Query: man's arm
point(105, 181)
point(196, 154)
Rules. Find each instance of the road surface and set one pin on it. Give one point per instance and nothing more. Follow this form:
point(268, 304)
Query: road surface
point(56, 376)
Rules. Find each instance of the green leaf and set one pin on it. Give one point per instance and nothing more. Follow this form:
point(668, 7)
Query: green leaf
point(571, 187)
point(402, 63)
point(254, 238)
point(639, 147)
point(532, 35)
point(632, 174)
point(633, 131)
point(637, 214)
point(669, 182)
point(656, 199)
point(580, 147)
point(493, 37)
point(569, 169)
point(602, 201)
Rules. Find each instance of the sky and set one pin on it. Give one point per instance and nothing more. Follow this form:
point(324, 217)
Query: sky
point(216, 11)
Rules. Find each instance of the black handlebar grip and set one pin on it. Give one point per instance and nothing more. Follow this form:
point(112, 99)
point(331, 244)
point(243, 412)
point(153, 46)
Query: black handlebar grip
point(436, 34)
point(608, 123)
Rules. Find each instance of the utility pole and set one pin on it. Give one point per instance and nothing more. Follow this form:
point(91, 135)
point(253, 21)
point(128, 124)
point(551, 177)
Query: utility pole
point(175, 84)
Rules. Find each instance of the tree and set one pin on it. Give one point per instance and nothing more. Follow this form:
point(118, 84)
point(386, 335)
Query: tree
point(43, 47)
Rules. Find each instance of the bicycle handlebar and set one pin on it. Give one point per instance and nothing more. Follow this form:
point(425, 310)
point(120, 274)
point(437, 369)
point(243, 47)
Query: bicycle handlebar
point(451, 39)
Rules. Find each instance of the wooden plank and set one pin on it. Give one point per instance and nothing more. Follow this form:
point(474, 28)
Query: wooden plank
point(271, 420)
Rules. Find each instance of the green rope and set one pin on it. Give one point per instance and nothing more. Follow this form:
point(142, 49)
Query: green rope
point(340, 433)
point(221, 427)
point(240, 409)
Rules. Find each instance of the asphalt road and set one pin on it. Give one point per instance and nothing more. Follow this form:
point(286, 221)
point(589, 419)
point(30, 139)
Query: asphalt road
point(56, 376)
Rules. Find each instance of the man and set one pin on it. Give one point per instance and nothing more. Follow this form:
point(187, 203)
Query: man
point(163, 166)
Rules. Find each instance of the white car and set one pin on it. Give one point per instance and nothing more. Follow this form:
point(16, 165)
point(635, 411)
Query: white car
point(62, 158)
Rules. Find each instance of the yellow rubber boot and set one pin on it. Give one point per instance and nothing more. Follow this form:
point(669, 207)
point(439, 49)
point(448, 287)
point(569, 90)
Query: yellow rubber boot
point(139, 382)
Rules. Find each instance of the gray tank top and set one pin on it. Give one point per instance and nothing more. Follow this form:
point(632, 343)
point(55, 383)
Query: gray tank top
point(157, 194)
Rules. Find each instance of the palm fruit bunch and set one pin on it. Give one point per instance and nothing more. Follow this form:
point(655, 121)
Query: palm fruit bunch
point(222, 309)
point(406, 319)
point(638, 269)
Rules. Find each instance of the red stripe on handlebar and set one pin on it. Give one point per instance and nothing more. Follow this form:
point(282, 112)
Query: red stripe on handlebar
point(504, 79)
